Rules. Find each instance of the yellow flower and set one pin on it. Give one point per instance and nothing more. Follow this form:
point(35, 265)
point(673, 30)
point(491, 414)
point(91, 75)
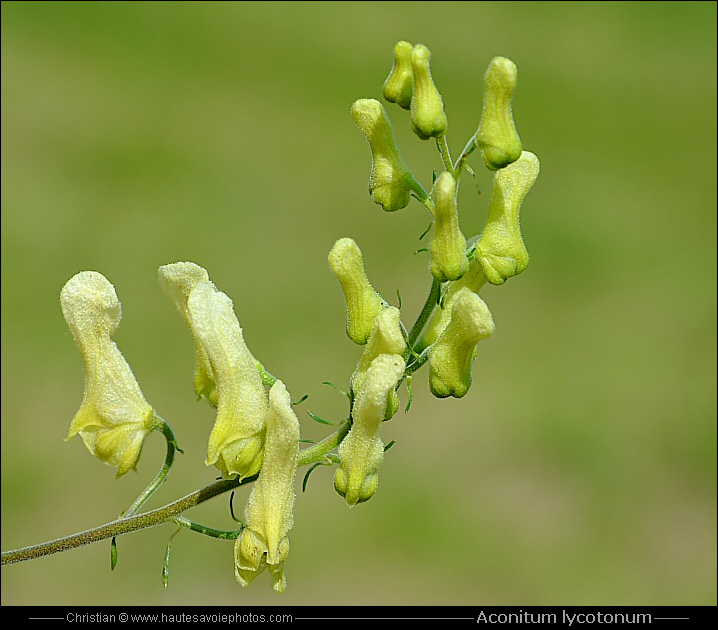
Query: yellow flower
point(497, 136)
point(387, 337)
point(448, 245)
point(178, 280)
point(428, 119)
point(236, 442)
point(391, 182)
point(264, 544)
point(362, 450)
point(500, 249)
point(399, 85)
point(451, 355)
point(363, 303)
point(473, 280)
point(114, 417)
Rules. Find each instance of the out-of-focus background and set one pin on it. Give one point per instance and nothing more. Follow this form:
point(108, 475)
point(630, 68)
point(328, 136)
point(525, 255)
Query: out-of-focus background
point(579, 469)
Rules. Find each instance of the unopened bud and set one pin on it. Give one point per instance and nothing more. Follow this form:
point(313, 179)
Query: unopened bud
point(497, 136)
point(448, 245)
point(500, 249)
point(428, 119)
point(399, 85)
point(363, 303)
point(451, 355)
point(391, 182)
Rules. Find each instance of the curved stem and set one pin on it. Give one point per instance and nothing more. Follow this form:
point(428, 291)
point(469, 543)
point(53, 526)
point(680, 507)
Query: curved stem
point(160, 425)
point(124, 525)
point(208, 531)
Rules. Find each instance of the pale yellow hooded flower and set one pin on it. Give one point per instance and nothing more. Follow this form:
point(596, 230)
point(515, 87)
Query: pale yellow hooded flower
point(237, 439)
point(114, 417)
point(264, 543)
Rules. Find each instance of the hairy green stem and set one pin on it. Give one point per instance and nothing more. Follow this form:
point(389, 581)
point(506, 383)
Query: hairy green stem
point(208, 531)
point(164, 428)
point(133, 523)
point(124, 525)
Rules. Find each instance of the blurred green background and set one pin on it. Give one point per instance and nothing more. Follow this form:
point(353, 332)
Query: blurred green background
point(579, 469)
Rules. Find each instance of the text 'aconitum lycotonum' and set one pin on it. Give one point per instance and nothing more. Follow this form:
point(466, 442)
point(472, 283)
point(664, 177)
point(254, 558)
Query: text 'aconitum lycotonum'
point(255, 439)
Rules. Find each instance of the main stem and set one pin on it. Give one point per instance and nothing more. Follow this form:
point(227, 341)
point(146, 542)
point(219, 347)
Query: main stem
point(127, 524)
point(124, 525)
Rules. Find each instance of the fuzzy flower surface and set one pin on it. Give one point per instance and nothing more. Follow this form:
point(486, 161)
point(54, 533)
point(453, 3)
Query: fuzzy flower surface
point(237, 438)
point(264, 543)
point(114, 418)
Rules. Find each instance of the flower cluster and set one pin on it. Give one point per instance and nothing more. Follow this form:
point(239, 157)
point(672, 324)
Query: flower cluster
point(256, 434)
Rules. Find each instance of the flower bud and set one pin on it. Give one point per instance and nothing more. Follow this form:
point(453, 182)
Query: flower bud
point(473, 280)
point(264, 542)
point(500, 249)
point(451, 356)
point(448, 245)
point(362, 450)
point(237, 439)
point(391, 182)
point(178, 280)
point(497, 136)
point(399, 85)
point(387, 337)
point(114, 417)
point(428, 119)
point(363, 303)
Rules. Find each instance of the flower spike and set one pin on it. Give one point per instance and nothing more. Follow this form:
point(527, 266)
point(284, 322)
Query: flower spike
point(114, 417)
point(237, 439)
